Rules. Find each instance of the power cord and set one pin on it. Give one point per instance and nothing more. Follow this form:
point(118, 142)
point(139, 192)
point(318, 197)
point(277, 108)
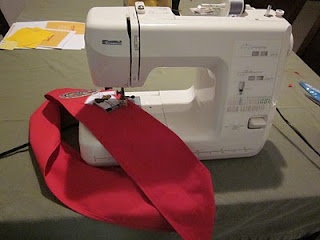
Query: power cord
point(27, 145)
point(297, 132)
point(13, 150)
point(16, 149)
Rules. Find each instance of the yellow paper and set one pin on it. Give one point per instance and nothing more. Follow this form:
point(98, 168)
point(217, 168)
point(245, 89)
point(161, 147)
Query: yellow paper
point(29, 37)
point(8, 45)
point(78, 27)
point(55, 39)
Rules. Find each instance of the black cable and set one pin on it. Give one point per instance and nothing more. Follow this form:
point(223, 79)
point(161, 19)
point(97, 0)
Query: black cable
point(297, 132)
point(15, 150)
point(6, 153)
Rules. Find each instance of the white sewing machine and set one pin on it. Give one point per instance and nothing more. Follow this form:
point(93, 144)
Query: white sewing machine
point(230, 70)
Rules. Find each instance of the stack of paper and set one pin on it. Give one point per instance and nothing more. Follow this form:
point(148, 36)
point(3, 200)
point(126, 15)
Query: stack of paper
point(45, 35)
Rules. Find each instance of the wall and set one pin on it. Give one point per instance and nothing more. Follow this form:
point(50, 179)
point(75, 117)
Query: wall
point(304, 21)
point(11, 9)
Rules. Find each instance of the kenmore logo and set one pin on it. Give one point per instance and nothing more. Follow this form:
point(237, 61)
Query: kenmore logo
point(112, 42)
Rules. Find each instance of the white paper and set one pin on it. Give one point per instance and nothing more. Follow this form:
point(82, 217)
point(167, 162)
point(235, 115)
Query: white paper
point(75, 43)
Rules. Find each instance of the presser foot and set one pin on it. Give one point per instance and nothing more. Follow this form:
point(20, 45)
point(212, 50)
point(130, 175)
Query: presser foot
point(110, 102)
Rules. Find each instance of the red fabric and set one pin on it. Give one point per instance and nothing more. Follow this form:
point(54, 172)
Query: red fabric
point(160, 184)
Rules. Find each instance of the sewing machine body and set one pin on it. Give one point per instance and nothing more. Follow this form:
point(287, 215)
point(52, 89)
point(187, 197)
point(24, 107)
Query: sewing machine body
point(231, 67)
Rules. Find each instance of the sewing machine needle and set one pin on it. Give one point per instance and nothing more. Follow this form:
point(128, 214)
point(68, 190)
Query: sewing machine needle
point(123, 100)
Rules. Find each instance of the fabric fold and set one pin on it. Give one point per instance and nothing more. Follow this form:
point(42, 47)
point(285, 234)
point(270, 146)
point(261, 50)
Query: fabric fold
point(161, 184)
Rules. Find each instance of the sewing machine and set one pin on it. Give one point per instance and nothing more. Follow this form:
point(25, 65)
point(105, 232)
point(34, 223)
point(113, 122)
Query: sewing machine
point(216, 80)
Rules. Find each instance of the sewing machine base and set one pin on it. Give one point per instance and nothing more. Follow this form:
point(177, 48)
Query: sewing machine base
point(189, 121)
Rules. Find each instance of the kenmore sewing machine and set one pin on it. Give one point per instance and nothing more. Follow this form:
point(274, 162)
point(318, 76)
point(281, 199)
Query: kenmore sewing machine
point(235, 60)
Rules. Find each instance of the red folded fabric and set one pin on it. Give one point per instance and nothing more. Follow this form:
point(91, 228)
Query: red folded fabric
point(161, 185)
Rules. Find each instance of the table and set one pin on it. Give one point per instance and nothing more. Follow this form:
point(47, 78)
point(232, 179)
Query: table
point(274, 195)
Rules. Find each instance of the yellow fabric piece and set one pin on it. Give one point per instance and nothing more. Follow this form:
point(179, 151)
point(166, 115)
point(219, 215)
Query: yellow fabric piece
point(8, 45)
point(29, 37)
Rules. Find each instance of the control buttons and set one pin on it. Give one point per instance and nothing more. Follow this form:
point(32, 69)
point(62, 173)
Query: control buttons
point(140, 7)
point(256, 123)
